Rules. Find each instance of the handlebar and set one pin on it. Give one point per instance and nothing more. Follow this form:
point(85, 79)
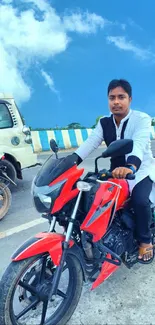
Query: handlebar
point(128, 176)
point(108, 174)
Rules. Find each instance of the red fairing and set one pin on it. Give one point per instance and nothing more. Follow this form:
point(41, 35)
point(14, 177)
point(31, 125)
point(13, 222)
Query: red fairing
point(106, 271)
point(48, 242)
point(100, 214)
point(68, 193)
point(124, 193)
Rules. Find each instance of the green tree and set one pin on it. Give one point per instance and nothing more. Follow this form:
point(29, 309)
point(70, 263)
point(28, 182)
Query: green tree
point(97, 119)
point(74, 125)
point(153, 121)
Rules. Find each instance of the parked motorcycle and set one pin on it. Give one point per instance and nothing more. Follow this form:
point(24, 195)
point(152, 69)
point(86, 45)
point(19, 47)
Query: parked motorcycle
point(5, 193)
point(43, 283)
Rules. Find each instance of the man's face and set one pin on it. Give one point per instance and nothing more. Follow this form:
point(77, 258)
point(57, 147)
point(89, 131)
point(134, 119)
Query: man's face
point(119, 102)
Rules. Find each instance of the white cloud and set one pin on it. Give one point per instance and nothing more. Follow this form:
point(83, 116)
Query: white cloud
point(49, 82)
point(123, 44)
point(26, 40)
point(133, 24)
point(11, 79)
point(43, 5)
point(83, 22)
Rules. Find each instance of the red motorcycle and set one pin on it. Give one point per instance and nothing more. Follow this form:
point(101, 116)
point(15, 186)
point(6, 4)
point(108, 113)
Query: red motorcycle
point(43, 283)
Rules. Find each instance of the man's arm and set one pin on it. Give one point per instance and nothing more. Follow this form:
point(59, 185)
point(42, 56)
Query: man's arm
point(92, 143)
point(141, 138)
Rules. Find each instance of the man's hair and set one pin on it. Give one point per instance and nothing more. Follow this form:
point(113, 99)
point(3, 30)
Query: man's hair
point(120, 83)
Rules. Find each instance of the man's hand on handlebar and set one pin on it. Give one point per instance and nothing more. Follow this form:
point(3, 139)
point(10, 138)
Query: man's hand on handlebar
point(121, 172)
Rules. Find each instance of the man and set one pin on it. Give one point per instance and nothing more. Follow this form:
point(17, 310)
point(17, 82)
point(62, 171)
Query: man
point(128, 124)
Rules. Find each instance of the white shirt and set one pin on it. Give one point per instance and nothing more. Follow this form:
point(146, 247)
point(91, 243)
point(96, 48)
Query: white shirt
point(138, 129)
point(119, 128)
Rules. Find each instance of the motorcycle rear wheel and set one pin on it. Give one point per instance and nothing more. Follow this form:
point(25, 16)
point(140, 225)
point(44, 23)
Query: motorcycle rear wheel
point(20, 275)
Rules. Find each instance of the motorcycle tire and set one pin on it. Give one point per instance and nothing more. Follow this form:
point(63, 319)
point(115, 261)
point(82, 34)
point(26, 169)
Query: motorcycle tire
point(5, 195)
point(10, 283)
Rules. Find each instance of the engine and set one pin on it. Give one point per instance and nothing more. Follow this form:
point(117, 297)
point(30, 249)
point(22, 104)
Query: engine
point(119, 237)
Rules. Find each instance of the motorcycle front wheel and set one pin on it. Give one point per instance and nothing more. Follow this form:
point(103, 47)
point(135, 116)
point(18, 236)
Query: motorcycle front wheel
point(25, 287)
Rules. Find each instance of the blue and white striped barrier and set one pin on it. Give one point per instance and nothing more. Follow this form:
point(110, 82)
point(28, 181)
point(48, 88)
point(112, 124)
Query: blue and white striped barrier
point(65, 139)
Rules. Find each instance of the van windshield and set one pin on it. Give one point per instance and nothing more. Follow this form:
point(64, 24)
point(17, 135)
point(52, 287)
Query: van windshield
point(5, 117)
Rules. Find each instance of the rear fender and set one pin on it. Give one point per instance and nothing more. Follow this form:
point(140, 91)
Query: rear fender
point(42, 243)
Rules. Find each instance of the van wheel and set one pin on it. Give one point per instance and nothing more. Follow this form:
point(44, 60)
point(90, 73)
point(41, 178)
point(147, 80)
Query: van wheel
point(10, 169)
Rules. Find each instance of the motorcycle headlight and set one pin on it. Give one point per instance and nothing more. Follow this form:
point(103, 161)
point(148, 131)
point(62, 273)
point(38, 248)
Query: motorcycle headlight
point(46, 200)
point(45, 196)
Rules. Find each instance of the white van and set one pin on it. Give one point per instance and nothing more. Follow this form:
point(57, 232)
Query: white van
point(15, 138)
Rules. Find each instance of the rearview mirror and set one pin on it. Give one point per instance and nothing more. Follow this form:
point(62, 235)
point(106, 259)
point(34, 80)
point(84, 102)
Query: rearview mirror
point(26, 130)
point(118, 148)
point(54, 146)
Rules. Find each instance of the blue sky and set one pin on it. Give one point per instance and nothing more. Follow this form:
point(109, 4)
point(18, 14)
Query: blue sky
point(63, 54)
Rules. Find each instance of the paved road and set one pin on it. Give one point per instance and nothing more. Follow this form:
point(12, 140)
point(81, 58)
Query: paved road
point(128, 297)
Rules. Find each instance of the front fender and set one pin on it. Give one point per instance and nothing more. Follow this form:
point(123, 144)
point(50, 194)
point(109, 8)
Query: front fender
point(42, 243)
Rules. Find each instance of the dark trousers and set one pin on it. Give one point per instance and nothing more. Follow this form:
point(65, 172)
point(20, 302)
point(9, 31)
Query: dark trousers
point(141, 204)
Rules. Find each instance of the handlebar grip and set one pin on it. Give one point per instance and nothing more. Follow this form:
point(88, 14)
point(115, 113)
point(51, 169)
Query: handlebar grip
point(128, 176)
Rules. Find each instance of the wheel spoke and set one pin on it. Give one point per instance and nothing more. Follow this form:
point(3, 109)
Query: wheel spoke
point(61, 294)
point(45, 304)
point(65, 268)
point(28, 287)
point(35, 285)
point(29, 307)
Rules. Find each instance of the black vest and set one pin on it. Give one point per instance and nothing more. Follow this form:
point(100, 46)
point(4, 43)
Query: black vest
point(109, 135)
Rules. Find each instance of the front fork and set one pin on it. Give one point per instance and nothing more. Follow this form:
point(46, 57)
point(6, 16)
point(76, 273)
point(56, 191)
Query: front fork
point(65, 246)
